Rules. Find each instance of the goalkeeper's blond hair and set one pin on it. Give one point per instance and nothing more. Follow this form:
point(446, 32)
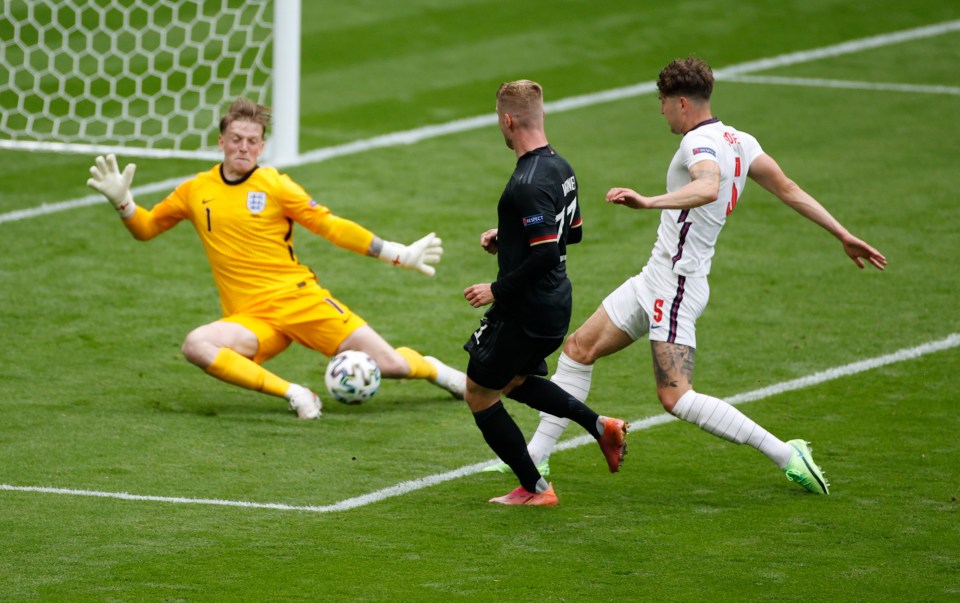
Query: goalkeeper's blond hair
point(523, 99)
point(244, 109)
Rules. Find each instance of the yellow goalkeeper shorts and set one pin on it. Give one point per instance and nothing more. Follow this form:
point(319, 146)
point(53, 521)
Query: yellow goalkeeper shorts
point(309, 315)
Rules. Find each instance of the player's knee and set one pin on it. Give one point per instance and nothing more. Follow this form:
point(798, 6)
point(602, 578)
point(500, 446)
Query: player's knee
point(669, 396)
point(577, 350)
point(189, 350)
point(479, 398)
point(194, 349)
point(514, 384)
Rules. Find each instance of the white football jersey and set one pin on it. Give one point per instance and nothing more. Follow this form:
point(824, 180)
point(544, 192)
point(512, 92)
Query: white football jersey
point(686, 239)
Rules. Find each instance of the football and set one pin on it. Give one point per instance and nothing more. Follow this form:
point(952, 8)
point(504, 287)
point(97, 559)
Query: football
point(352, 377)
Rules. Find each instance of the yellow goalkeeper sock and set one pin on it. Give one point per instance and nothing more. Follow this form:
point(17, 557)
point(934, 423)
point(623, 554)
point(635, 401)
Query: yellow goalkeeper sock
point(419, 367)
point(233, 368)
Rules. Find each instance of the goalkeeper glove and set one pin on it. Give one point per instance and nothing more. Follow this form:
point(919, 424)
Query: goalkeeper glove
point(107, 180)
point(415, 256)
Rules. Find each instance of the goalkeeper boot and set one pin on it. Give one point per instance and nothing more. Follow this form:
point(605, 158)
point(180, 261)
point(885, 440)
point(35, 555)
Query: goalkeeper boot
point(500, 467)
point(802, 470)
point(449, 378)
point(613, 441)
point(304, 402)
point(522, 496)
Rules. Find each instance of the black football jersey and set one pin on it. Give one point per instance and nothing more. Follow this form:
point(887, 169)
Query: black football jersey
point(537, 207)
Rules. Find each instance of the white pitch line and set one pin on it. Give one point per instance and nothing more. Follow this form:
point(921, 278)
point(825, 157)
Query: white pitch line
point(803, 382)
point(805, 56)
point(847, 84)
point(567, 104)
point(409, 486)
point(52, 208)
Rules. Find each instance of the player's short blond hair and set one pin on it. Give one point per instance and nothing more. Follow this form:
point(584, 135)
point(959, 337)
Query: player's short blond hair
point(244, 109)
point(523, 99)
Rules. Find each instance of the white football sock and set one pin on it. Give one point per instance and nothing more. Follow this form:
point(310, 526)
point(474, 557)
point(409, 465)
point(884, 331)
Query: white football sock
point(545, 439)
point(449, 378)
point(574, 378)
point(295, 390)
point(724, 421)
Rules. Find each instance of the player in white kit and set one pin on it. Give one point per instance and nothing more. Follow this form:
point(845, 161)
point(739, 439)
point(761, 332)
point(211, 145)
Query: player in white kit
point(705, 180)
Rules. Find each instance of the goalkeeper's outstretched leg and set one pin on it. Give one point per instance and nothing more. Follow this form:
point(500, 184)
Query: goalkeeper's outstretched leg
point(404, 362)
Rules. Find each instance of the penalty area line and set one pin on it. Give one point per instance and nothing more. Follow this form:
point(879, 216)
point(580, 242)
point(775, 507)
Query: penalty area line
point(409, 486)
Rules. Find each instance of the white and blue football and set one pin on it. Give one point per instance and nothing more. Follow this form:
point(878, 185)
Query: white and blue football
point(352, 377)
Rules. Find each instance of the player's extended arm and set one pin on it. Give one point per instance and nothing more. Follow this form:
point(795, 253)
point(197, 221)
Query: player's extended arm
point(347, 234)
point(767, 173)
point(418, 255)
point(106, 179)
point(703, 188)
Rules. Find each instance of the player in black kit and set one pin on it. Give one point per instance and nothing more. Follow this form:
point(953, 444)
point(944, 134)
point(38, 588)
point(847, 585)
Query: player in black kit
point(532, 297)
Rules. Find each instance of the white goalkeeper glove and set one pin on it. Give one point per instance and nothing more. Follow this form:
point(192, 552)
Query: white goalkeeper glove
point(107, 180)
point(415, 256)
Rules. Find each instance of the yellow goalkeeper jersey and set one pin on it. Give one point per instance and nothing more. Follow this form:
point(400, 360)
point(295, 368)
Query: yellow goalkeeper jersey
point(246, 228)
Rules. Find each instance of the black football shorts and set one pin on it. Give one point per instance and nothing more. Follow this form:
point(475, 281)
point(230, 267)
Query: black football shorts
point(501, 350)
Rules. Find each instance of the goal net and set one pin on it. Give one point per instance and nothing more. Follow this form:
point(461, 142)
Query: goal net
point(138, 77)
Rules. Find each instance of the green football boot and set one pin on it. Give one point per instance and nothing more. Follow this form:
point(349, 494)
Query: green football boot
point(802, 470)
point(543, 467)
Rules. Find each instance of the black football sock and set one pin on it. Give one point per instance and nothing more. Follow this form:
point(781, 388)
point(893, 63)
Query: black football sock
point(544, 395)
point(505, 438)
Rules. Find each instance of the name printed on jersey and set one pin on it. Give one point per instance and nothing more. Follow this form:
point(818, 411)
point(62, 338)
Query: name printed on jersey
point(532, 220)
point(256, 202)
point(569, 185)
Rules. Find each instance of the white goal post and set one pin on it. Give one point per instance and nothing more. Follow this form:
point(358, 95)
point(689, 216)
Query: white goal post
point(148, 78)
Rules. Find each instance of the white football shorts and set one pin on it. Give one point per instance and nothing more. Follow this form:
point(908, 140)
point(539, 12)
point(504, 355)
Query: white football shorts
point(660, 304)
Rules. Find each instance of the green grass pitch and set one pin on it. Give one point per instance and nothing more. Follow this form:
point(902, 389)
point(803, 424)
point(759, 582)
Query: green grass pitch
point(96, 397)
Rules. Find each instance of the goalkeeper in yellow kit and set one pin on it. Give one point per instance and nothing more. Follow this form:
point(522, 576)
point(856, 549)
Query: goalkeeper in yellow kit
point(244, 214)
